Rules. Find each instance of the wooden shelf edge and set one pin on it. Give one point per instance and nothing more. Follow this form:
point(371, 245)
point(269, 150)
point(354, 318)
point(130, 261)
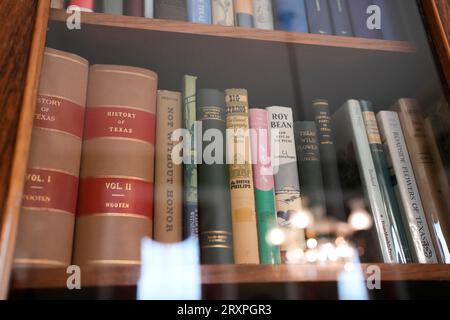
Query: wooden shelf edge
point(126, 276)
point(140, 23)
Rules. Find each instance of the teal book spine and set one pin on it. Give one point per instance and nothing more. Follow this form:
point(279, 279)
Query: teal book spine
point(190, 196)
point(399, 225)
point(264, 186)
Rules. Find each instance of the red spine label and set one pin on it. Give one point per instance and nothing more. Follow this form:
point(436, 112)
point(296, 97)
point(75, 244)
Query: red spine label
point(52, 190)
point(119, 122)
point(59, 114)
point(116, 196)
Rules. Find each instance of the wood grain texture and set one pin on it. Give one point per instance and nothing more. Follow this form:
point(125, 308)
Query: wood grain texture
point(121, 276)
point(235, 32)
point(21, 48)
point(437, 15)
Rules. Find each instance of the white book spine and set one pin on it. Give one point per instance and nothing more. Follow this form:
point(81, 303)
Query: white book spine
point(288, 200)
point(350, 117)
point(148, 9)
point(406, 188)
point(263, 14)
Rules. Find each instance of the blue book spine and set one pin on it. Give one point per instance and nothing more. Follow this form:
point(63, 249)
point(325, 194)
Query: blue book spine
point(391, 27)
point(359, 18)
point(290, 15)
point(318, 15)
point(340, 18)
point(199, 11)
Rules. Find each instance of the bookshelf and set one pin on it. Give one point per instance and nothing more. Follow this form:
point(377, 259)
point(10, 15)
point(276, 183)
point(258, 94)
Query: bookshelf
point(100, 39)
point(140, 23)
point(122, 276)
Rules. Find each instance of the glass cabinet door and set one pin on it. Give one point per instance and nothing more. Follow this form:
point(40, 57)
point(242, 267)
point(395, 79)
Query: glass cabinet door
point(236, 149)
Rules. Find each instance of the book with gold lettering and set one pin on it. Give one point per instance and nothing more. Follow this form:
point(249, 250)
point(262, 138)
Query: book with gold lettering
point(214, 209)
point(115, 206)
point(413, 127)
point(168, 217)
point(50, 196)
point(245, 234)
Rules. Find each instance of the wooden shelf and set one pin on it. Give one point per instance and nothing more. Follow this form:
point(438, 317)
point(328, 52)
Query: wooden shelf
point(126, 276)
point(139, 23)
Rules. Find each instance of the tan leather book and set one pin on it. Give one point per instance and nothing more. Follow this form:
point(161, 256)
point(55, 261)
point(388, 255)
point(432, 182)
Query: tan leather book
point(243, 210)
point(50, 195)
point(168, 221)
point(115, 206)
point(425, 172)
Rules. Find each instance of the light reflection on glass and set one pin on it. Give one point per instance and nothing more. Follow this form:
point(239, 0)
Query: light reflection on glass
point(170, 271)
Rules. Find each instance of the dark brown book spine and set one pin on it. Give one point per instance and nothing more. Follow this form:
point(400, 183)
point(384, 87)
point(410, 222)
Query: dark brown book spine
point(50, 195)
point(115, 207)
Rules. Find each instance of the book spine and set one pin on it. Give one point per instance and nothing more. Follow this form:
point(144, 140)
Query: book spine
point(115, 204)
point(340, 18)
point(113, 6)
point(57, 4)
point(149, 9)
point(223, 12)
point(443, 183)
point(330, 172)
point(171, 9)
point(348, 124)
point(309, 167)
point(441, 131)
point(399, 226)
point(391, 26)
point(425, 172)
point(290, 15)
point(245, 232)
point(318, 14)
point(84, 5)
point(359, 17)
point(168, 218)
point(264, 186)
point(243, 11)
point(135, 8)
point(263, 14)
point(199, 11)
point(405, 186)
point(51, 186)
point(288, 199)
point(215, 226)
point(190, 167)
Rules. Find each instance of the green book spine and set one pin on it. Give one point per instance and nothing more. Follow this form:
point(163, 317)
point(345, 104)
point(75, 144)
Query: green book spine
point(384, 180)
point(190, 210)
point(264, 186)
point(214, 201)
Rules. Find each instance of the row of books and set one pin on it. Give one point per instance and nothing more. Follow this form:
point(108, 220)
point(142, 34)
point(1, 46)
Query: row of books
point(102, 173)
point(340, 17)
